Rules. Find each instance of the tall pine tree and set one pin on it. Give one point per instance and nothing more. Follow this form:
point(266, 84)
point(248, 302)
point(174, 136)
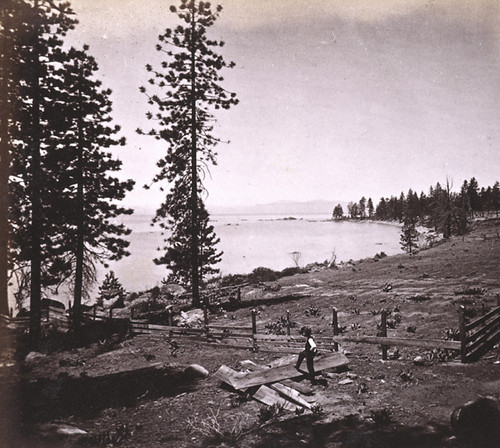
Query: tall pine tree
point(39, 26)
point(91, 193)
point(185, 90)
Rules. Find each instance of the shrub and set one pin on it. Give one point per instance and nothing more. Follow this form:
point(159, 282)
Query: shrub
point(279, 327)
point(216, 430)
point(381, 417)
point(270, 413)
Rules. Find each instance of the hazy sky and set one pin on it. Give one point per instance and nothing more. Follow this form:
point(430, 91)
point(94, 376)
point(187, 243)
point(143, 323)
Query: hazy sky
point(338, 98)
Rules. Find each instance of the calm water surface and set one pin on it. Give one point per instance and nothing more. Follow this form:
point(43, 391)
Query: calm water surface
point(250, 241)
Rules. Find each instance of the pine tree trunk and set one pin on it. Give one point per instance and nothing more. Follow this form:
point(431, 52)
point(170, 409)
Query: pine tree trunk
point(4, 172)
point(77, 297)
point(194, 175)
point(36, 208)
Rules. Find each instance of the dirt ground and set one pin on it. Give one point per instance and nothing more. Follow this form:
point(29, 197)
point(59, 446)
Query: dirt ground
point(394, 403)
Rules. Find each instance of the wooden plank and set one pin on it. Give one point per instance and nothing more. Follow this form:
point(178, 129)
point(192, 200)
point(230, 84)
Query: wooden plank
point(299, 339)
point(394, 341)
point(277, 374)
point(228, 375)
point(471, 325)
point(53, 309)
point(303, 388)
point(291, 394)
point(483, 330)
point(228, 327)
point(270, 397)
point(165, 328)
point(485, 337)
point(224, 334)
point(491, 339)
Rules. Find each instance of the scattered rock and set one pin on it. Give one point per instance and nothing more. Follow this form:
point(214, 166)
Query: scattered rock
point(190, 318)
point(196, 371)
point(52, 429)
point(346, 381)
point(419, 361)
point(33, 356)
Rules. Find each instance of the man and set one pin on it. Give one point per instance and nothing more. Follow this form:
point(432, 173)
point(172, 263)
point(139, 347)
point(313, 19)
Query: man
point(309, 352)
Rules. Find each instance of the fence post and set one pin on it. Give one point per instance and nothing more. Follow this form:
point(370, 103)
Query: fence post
point(111, 319)
point(205, 318)
point(95, 310)
point(335, 325)
point(149, 311)
point(131, 313)
point(254, 329)
point(463, 334)
point(11, 312)
point(288, 323)
point(383, 332)
point(169, 322)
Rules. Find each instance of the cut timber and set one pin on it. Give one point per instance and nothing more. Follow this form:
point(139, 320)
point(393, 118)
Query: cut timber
point(393, 341)
point(269, 396)
point(276, 374)
point(291, 394)
point(229, 376)
point(303, 388)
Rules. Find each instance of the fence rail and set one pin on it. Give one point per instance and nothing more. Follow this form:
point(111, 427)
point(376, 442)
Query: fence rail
point(480, 335)
point(476, 337)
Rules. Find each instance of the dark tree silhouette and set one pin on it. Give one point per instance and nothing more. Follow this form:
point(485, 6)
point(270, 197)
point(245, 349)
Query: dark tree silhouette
point(90, 193)
point(185, 91)
point(38, 28)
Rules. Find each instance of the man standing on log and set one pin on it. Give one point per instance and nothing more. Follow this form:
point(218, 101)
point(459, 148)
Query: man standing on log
point(309, 352)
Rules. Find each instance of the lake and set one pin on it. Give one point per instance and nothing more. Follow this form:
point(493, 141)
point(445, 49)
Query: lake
point(250, 241)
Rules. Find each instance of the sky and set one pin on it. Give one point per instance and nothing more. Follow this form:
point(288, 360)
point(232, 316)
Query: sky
point(339, 99)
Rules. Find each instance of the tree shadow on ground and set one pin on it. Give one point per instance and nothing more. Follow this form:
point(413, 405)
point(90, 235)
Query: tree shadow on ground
point(354, 433)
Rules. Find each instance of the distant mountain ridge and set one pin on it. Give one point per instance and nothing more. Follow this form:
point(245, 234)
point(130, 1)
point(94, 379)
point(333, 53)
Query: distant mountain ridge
point(281, 208)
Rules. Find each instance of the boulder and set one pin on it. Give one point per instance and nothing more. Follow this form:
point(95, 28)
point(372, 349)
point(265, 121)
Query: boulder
point(33, 356)
point(477, 422)
point(196, 371)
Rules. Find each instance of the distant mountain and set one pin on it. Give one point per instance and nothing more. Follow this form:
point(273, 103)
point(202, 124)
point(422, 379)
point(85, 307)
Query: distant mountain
point(280, 208)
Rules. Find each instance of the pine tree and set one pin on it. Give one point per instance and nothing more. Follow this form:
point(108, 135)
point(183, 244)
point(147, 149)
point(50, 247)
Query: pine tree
point(111, 292)
point(39, 28)
point(370, 208)
point(90, 192)
point(7, 51)
point(409, 234)
point(338, 212)
point(185, 91)
point(362, 208)
point(495, 197)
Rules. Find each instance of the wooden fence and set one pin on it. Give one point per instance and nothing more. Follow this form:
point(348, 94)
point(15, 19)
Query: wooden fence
point(475, 337)
point(480, 335)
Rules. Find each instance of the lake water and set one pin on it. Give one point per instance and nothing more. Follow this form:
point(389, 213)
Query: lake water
point(250, 241)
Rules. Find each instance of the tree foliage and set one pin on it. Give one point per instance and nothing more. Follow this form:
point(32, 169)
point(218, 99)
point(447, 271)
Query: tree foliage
point(446, 211)
point(111, 292)
point(60, 192)
point(409, 234)
point(184, 92)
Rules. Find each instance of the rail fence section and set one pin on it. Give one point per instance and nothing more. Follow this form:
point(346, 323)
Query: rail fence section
point(478, 336)
point(475, 337)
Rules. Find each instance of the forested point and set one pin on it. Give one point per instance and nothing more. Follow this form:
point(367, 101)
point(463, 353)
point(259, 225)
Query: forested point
point(441, 209)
